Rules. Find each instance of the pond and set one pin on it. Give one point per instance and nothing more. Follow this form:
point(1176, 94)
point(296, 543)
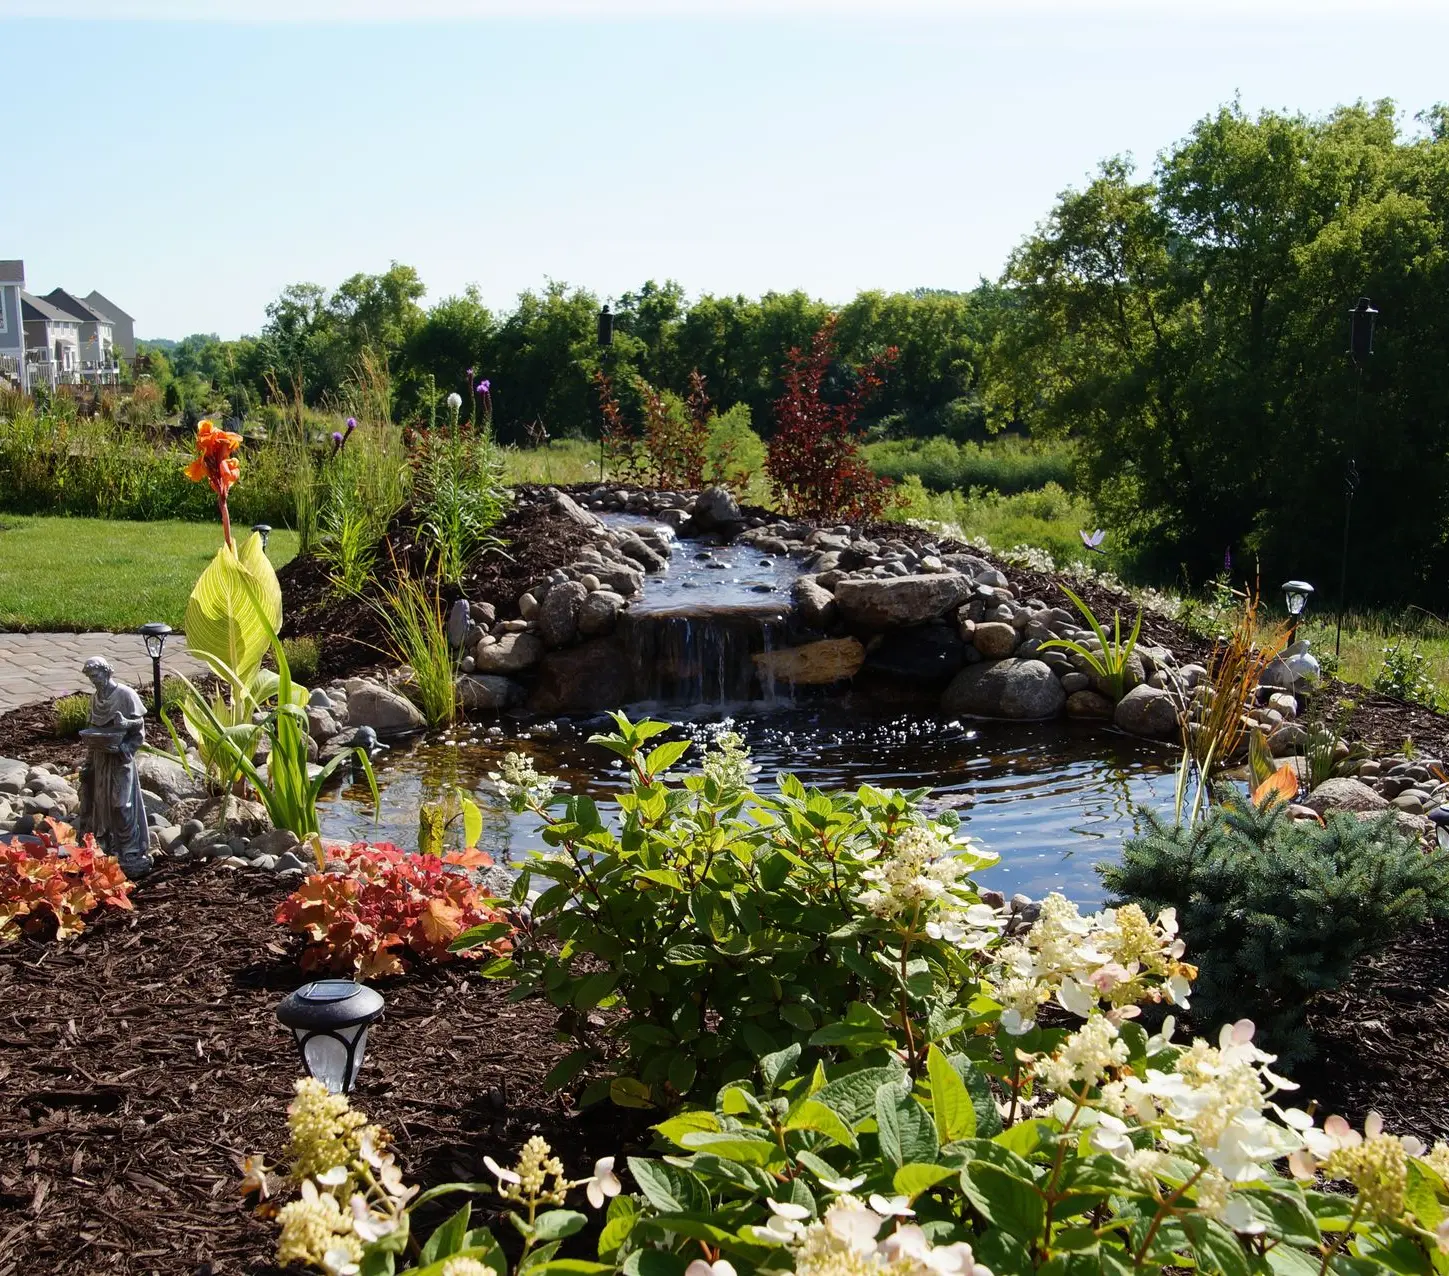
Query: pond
point(1052, 799)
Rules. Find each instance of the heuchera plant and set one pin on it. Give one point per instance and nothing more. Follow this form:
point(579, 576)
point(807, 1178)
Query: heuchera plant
point(391, 906)
point(814, 459)
point(57, 884)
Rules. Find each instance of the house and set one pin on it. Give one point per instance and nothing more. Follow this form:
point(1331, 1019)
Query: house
point(52, 343)
point(12, 333)
point(122, 324)
point(97, 341)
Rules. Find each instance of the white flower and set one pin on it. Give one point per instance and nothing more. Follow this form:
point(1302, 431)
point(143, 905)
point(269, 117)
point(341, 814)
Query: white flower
point(720, 1267)
point(1441, 1236)
point(853, 1225)
point(605, 1183)
point(1073, 997)
point(338, 1262)
point(367, 1149)
point(785, 1223)
point(369, 1226)
point(891, 1206)
point(455, 400)
point(787, 1209)
point(842, 1185)
point(1110, 1135)
point(1239, 1216)
point(502, 1175)
point(335, 1177)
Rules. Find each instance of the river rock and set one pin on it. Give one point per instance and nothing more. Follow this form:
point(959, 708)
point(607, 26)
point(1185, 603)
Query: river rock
point(1146, 711)
point(487, 693)
point(558, 618)
point(1010, 688)
point(898, 601)
point(1134, 674)
point(624, 580)
point(243, 818)
point(994, 639)
point(634, 547)
point(372, 705)
point(12, 775)
point(169, 779)
point(512, 653)
point(322, 724)
point(814, 604)
point(458, 622)
point(815, 663)
point(926, 653)
point(1343, 793)
point(565, 504)
point(715, 509)
point(1075, 681)
point(599, 612)
point(1088, 704)
point(594, 675)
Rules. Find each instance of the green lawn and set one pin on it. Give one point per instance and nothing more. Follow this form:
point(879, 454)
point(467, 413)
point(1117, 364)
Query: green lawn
point(80, 574)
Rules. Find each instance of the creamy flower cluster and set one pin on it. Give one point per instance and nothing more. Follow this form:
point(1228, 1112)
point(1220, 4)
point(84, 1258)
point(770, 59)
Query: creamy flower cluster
point(1116, 956)
point(843, 1242)
point(728, 762)
point(325, 1130)
point(537, 1179)
point(921, 873)
point(519, 782)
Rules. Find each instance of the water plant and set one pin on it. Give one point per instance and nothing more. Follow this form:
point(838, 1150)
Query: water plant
point(415, 624)
point(1111, 662)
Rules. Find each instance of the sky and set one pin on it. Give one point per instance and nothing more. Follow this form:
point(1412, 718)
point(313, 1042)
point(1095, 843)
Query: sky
point(193, 157)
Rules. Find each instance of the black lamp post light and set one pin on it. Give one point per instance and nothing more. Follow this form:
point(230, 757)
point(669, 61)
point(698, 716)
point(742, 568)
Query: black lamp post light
point(264, 530)
point(330, 1019)
point(1361, 330)
point(1295, 594)
point(155, 635)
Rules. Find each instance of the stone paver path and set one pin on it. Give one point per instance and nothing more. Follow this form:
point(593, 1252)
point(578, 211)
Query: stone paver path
point(36, 667)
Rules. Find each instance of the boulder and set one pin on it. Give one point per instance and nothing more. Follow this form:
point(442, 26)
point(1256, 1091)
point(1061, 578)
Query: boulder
point(382, 709)
point(243, 818)
point(816, 663)
point(1074, 682)
point(12, 775)
point(487, 693)
point(1022, 689)
point(321, 723)
point(276, 842)
point(969, 565)
point(513, 653)
point(1343, 793)
point(1134, 674)
point(1088, 704)
point(895, 602)
point(599, 612)
point(558, 618)
point(458, 622)
point(927, 653)
point(994, 639)
point(814, 604)
point(635, 548)
point(565, 504)
point(715, 509)
point(1146, 711)
point(627, 582)
point(169, 779)
point(594, 675)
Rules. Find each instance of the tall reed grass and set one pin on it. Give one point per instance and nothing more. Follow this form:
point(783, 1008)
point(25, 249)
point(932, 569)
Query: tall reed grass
point(1009, 464)
point(415, 623)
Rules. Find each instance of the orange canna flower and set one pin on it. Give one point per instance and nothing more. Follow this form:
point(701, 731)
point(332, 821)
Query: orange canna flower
point(214, 462)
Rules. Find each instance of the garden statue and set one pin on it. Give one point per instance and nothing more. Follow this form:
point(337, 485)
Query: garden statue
point(111, 805)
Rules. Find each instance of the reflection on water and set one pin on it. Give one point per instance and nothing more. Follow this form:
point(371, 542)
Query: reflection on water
point(1052, 799)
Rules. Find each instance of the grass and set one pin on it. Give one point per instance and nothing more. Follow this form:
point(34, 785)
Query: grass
point(1365, 636)
point(1008, 464)
point(81, 574)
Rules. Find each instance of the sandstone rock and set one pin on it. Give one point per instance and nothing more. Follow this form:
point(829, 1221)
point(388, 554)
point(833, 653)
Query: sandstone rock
point(896, 602)
point(558, 618)
point(1022, 689)
point(815, 663)
point(528, 606)
point(169, 779)
point(624, 580)
point(1146, 711)
point(814, 604)
point(593, 675)
point(382, 709)
point(513, 653)
point(995, 639)
point(921, 654)
point(487, 693)
point(1342, 793)
point(1088, 704)
point(599, 612)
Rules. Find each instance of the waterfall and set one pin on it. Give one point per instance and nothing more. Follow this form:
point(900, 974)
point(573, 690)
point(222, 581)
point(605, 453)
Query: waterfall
point(701, 655)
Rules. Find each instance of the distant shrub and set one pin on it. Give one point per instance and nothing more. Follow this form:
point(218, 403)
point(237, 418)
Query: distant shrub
point(1048, 520)
point(302, 658)
point(1405, 674)
point(71, 714)
point(735, 452)
point(1276, 911)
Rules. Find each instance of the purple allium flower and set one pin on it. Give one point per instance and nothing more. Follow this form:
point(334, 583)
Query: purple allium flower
point(351, 424)
point(472, 372)
point(483, 386)
point(336, 438)
point(1228, 559)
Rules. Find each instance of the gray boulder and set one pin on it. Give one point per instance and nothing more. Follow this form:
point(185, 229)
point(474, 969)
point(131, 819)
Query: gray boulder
point(927, 653)
point(512, 653)
point(487, 693)
point(1146, 711)
point(593, 675)
point(599, 612)
point(168, 779)
point(565, 504)
point(1021, 689)
point(715, 509)
point(626, 581)
point(244, 819)
point(895, 602)
point(558, 618)
point(382, 709)
point(1343, 793)
point(814, 604)
point(995, 639)
point(12, 775)
point(1088, 704)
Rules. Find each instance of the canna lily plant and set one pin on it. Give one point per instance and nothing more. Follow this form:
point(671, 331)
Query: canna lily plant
point(216, 464)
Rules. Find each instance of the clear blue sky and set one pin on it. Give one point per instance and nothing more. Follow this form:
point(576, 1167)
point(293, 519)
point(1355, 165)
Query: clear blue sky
point(191, 169)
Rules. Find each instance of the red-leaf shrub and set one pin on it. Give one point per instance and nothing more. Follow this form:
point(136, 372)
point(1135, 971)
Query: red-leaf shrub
point(391, 905)
point(57, 883)
point(813, 458)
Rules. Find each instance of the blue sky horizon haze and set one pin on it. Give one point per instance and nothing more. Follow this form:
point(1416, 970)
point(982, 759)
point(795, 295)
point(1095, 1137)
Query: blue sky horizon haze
point(196, 164)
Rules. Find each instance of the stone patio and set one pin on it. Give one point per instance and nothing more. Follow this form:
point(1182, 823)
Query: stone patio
point(36, 667)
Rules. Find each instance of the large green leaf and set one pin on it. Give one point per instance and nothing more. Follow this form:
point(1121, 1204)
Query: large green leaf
point(224, 626)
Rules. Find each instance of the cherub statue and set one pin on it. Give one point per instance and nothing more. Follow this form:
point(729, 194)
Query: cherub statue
point(111, 805)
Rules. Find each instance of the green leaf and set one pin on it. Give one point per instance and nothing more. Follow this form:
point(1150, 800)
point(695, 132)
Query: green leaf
point(472, 819)
point(573, 1267)
point(619, 1222)
point(566, 1069)
point(554, 1225)
point(988, 1117)
point(683, 1069)
point(811, 1114)
point(1023, 1138)
point(677, 1127)
point(1010, 1202)
point(448, 1237)
point(668, 1188)
point(852, 1096)
point(592, 989)
point(1215, 1247)
point(1286, 1213)
point(913, 1179)
point(732, 1146)
point(951, 1106)
point(629, 1092)
point(797, 1016)
point(483, 933)
point(654, 1262)
point(905, 1131)
point(665, 756)
point(223, 625)
point(775, 1067)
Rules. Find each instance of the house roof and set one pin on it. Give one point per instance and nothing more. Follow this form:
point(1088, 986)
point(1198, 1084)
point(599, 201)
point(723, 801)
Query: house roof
point(74, 307)
point(33, 307)
point(106, 304)
point(12, 272)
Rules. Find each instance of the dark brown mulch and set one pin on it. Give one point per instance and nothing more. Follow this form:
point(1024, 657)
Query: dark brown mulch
point(348, 631)
point(1383, 1039)
point(140, 1060)
point(29, 733)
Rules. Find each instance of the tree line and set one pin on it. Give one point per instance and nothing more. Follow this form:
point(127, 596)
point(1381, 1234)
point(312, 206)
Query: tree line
point(1187, 326)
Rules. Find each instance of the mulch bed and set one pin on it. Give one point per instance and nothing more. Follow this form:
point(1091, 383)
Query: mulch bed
point(140, 1060)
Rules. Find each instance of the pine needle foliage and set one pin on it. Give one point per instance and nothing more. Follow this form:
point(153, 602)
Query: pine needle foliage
point(1276, 911)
